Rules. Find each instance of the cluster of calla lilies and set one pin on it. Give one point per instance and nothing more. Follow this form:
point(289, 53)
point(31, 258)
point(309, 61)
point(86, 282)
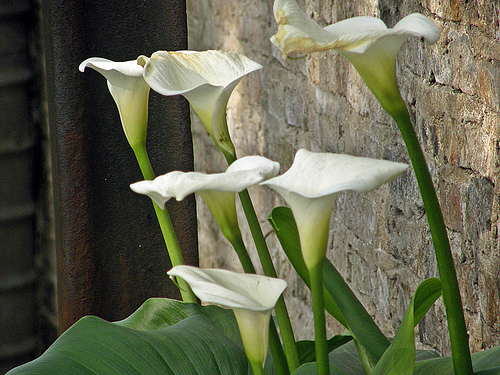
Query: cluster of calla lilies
point(310, 187)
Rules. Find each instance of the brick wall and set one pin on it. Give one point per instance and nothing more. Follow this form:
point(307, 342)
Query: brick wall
point(379, 241)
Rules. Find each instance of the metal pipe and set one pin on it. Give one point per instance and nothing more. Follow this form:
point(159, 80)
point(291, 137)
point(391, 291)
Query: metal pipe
point(109, 250)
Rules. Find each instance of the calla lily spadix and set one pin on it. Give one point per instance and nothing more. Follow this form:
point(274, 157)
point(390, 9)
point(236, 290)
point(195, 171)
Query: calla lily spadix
point(366, 42)
point(130, 92)
point(251, 297)
point(313, 183)
point(217, 190)
point(206, 79)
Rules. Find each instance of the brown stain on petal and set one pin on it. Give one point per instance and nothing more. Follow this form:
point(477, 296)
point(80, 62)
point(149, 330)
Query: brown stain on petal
point(281, 17)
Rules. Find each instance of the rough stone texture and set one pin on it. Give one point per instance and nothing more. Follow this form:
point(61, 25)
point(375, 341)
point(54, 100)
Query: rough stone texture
point(379, 241)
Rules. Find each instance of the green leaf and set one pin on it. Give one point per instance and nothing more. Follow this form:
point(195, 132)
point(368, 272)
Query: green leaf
point(310, 369)
point(427, 293)
point(399, 358)
point(306, 348)
point(491, 371)
point(486, 362)
point(360, 323)
point(340, 301)
point(161, 337)
point(346, 359)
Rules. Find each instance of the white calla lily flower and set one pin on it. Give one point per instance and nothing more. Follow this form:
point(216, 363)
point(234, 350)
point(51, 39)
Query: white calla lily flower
point(206, 79)
point(251, 297)
point(243, 173)
point(217, 190)
point(130, 92)
point(366, 42)
point(313, 183)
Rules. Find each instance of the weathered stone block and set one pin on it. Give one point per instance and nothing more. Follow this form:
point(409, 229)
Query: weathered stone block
point(380, 242)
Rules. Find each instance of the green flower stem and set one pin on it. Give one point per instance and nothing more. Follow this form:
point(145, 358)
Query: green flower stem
point(451, 293)
point(257, 368)
point(322, 362)
point(241, 251)
point(286, 330)
point(167, 229)
point(279, 358)
point(292, 355)
point(274, 339)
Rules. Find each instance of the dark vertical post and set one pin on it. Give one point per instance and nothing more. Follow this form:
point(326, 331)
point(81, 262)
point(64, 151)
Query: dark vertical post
point(18, 138)
point(109, 249)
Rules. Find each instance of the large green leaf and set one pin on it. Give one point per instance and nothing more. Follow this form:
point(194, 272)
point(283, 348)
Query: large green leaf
point(340, 301)
point(399, 358)
point(345, 361)
point(310, 369)
point(307, 348)
point(157, 313)
point(161, 337)
point(491, 371)
point(486, 362)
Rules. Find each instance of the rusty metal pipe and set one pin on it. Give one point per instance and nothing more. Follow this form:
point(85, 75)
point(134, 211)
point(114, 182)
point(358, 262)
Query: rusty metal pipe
point(109, 250)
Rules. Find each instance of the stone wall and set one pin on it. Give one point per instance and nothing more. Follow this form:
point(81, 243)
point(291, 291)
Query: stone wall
point(379, 241)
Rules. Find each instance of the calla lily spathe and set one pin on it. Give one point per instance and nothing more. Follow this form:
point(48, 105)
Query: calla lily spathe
point(243, 173)
point(313, 183)
point(251, 297)
point(217, 190)
point(130, 92)
point(366, 42)
point(206, 79)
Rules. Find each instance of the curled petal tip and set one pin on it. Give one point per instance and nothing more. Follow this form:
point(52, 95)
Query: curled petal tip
point(142, 60)
point(148, 188)
point(82, 66)
point(419, 25)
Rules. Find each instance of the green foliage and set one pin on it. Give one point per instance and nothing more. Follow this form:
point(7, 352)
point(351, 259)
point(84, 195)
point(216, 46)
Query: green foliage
point(307, 351)
point(348, 308)
point(170, 337)
point(162, 337)
point(486, 362)
point(399, 358)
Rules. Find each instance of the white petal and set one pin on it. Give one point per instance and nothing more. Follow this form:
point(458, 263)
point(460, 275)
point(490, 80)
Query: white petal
point(357, 34)
point(149, 188)
point(356, 25)
point(252, 297)
point(418, 25)
point(243, 173)
point(254, 331)
point(109, 68)
point(319, 174)
point(130, 93)
point(206, 79)
point(231, 289)
point(265, 167)
point(297, 33)
point(312, 185)
point(173, 73)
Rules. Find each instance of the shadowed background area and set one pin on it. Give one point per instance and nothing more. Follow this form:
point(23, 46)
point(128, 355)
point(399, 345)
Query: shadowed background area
point(110, 253)
point(65, 168)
